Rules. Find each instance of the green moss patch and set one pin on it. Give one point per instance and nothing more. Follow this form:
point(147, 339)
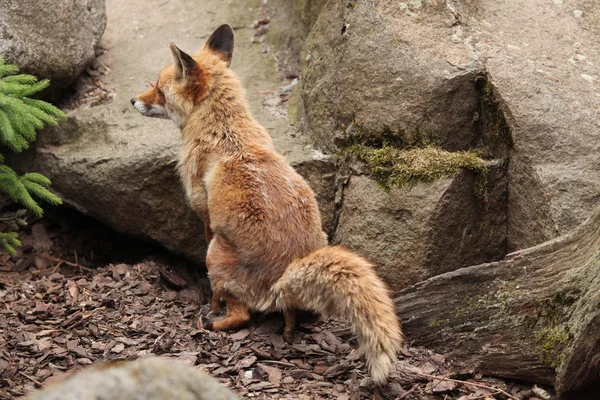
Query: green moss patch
point(400, 167)
point(552, 341)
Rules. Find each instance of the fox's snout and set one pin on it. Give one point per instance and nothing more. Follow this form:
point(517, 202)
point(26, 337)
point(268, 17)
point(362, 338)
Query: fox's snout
point(149, 110)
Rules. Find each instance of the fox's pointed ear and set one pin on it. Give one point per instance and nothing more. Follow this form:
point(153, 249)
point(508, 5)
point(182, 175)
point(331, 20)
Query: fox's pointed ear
point(221, 43)
point(184, 64)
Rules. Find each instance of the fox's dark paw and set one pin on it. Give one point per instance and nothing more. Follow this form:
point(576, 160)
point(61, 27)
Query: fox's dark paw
point(208, 322)
point(207, 318)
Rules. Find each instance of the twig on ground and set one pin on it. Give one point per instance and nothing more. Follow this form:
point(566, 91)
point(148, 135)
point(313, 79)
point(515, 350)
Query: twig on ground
point(412, 389)
point(480, 385)
point(57, 266)
point(31, 379)
point(56, 259)
point(483, 396)
point(279, 363)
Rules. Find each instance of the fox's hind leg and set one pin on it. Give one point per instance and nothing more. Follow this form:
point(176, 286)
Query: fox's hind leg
point(290, 324)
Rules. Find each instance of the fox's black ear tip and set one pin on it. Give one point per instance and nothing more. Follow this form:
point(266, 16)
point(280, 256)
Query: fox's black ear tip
point(225, 27)
point(223, 33)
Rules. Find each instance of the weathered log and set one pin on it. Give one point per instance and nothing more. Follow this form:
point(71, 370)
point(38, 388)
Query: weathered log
point(533, 316)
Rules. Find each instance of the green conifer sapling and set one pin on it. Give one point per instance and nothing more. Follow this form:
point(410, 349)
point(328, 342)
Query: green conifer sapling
point(20, 119)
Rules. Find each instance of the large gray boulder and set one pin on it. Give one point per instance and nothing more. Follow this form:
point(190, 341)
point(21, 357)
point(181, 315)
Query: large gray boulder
point(52, 39)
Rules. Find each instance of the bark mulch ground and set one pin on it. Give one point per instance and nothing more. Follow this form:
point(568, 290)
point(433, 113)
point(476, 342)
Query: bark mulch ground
point(58, 315)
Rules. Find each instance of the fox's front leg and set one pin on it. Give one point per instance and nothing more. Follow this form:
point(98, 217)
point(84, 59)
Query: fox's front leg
point(222, 262)
point(237, 316)
point(198, 199)
point(218, 293)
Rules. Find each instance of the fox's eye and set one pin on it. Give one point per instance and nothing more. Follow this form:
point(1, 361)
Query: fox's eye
point(160, 94)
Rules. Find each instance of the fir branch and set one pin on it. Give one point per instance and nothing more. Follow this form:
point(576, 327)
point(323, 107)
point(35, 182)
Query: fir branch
point(42, 193)
point(22, 79)
point(7, 69)
point(36, 178)
point(7, 133)
point(46, 107)
point(17, 89)
point(14, 188)
point(14, 219)
point(8, 241)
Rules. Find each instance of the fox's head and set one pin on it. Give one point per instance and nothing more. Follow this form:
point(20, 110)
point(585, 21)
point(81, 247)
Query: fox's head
point(186, 83)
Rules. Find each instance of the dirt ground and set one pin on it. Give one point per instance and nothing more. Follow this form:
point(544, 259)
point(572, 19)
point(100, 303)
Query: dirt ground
point(74, 297)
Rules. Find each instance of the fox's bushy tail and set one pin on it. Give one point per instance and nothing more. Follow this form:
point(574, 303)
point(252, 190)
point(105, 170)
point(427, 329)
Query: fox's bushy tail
point(335, 281)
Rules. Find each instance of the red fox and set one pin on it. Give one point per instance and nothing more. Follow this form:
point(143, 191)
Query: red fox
point(267, 250)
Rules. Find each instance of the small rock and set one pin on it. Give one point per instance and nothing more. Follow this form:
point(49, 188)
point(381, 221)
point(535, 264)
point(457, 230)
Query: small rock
point(247, 362)
point(404, 8)
point(558, 2)
point(588, 78)
point(118, 348)
point(288, 88)
point(577, 13)
point(541, 393)
point(288, 380)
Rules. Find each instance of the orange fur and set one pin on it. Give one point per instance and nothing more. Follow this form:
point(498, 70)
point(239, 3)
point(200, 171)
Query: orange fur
point(267, 249)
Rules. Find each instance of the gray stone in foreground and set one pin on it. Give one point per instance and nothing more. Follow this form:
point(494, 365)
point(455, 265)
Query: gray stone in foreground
point(151, 378)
